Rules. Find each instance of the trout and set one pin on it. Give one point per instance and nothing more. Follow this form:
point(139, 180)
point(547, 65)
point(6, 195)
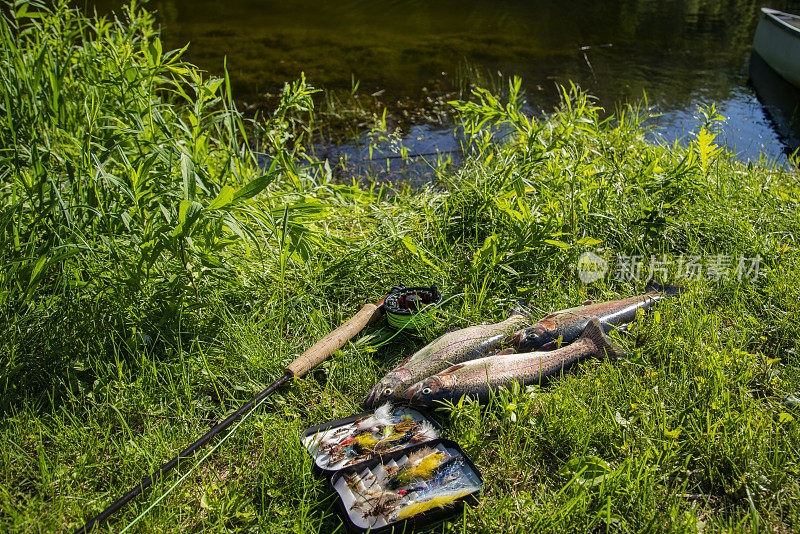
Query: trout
point(451, 348)
point(567, 325)
point(478, 377)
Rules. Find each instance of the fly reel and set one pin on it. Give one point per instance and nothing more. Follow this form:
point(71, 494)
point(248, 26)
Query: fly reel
point(412, 307)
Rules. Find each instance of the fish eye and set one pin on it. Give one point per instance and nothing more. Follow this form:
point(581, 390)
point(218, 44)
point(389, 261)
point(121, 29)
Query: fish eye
point(387, 391)
point(427, 391)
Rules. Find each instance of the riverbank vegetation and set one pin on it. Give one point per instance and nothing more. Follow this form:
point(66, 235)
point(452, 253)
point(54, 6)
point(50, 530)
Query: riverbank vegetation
point(156, 275)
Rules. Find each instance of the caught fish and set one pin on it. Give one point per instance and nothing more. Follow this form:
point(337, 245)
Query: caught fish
point(567, 325)
point(478, 377)
point(451, 348)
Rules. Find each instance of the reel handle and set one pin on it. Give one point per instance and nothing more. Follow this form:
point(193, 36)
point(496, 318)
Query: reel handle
point(329, 344)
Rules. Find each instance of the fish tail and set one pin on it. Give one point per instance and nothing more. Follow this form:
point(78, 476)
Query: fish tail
point(665, 290)
point(594, 332)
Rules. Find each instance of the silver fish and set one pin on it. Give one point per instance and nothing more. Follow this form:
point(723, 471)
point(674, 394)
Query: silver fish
point(477, 378)
point(566, 325)
point(451, 348)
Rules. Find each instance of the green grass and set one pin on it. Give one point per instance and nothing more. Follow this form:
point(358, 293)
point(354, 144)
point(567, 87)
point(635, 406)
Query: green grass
point(154, 278)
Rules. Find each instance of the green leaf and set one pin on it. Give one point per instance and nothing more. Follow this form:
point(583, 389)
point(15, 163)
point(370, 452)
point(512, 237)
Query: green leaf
point(214, 85)
point(589, 241)
point(37, 268)
point(224, 198)
point(233, 226)
point(255, 186)
point(705, 146)
point(511, 271)
point(188, 212)
point(587, 471)
point(487, 253)
point(412, 248)
point(557, 243)
point(409, 244)
point(189, 181)
point(183, 209)
point(519, 186)
point(21, 11)
point(155, 51)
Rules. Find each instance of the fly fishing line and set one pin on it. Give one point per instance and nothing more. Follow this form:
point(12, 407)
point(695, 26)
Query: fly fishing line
point(412, 307)
point(195, 466)
point(407, 324)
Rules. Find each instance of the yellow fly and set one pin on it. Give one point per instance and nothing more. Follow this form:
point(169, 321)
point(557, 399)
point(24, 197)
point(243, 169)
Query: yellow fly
point(368, 441)
point(421, 464)
point(436, 501)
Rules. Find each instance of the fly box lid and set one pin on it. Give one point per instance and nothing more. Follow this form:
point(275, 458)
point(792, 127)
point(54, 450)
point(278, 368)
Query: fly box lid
point(351, 440)
point(417, 487)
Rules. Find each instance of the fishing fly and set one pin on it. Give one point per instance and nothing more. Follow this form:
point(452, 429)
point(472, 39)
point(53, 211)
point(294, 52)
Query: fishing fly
point(421, 465)
point(388, 429)
point(428, 478)
point(437, 500)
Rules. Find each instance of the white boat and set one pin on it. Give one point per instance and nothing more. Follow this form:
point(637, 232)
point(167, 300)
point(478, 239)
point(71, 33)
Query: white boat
point(777, 41)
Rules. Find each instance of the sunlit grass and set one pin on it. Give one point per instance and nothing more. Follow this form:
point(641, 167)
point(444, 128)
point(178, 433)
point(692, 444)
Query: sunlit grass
point(129, 326)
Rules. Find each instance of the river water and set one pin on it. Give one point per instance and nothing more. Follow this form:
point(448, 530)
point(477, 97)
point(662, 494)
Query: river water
point(679, 53)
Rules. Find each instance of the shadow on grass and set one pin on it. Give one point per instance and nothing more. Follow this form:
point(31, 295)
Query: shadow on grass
point(64, 346)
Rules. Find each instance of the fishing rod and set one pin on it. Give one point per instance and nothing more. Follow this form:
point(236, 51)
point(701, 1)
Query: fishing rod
point(401, 305)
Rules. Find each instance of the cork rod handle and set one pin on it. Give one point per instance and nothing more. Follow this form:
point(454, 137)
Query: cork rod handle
point(326, 346)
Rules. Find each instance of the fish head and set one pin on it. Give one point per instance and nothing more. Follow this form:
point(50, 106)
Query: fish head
point(386, 389)
point(426, 392)
point(533, 338)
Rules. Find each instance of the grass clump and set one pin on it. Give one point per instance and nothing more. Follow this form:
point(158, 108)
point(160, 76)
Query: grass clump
point(156, 276)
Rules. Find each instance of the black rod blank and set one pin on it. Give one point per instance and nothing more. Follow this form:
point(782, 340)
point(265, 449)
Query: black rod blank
point(185, 453)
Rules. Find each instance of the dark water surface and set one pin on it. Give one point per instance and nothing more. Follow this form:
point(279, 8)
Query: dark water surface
point(680, 53)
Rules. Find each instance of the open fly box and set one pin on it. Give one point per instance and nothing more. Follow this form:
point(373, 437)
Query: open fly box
point(351, 440)
point(391, 470)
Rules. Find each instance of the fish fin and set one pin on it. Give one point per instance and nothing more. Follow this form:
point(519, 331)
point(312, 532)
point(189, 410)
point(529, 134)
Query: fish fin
point(666, 290)
point(513, 339)
point(594, 331)
point(587, 302)
point(452, 368)
point(552, 345)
